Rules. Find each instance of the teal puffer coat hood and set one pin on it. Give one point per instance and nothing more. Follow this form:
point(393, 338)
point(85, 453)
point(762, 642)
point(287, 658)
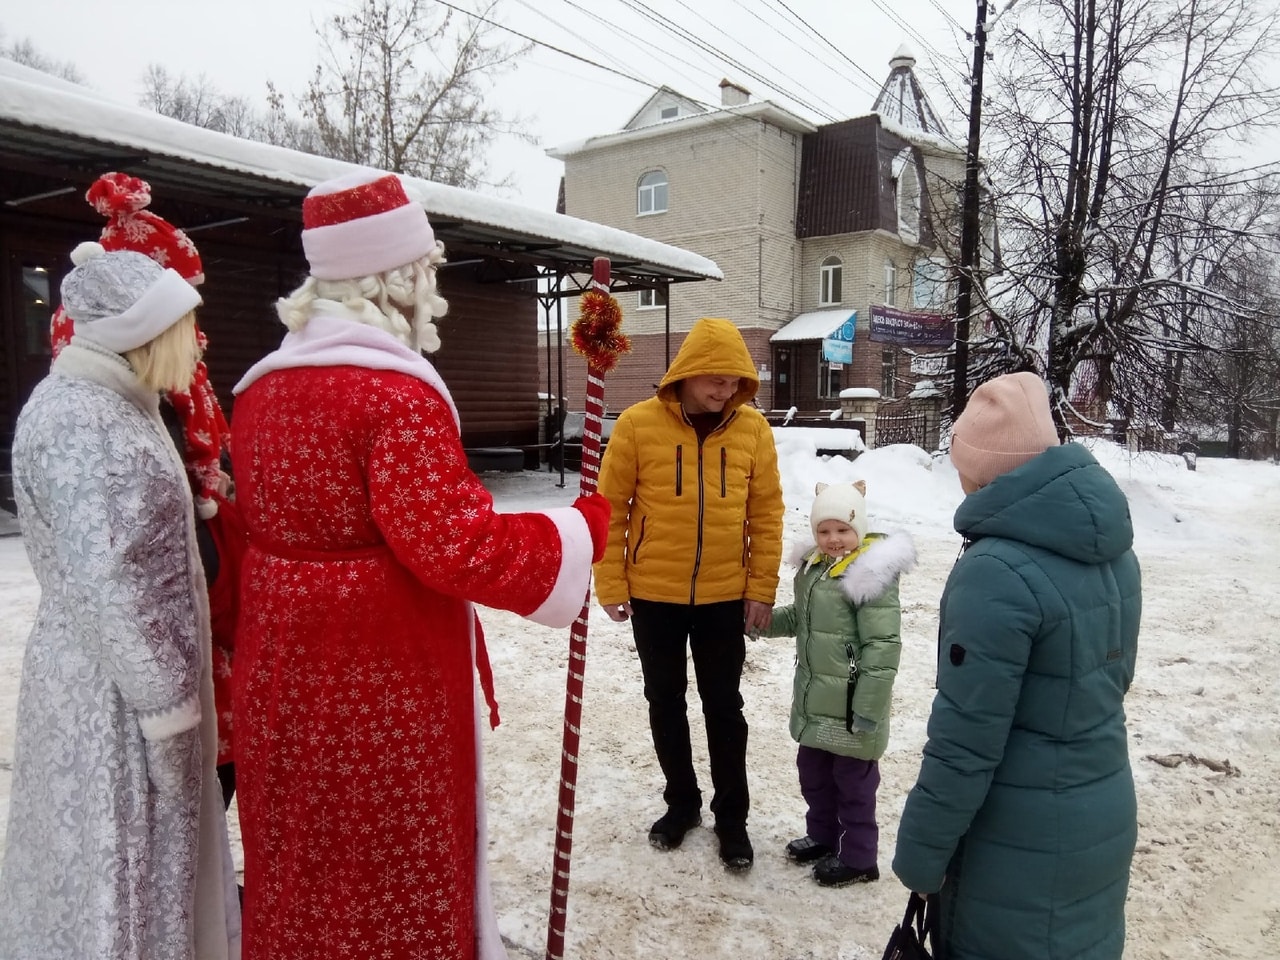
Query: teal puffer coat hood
point(847, 622)
point(1025, 801)
point(1069, 506)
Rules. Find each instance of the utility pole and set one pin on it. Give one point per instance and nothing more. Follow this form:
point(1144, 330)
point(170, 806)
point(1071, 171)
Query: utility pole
point(969, 220)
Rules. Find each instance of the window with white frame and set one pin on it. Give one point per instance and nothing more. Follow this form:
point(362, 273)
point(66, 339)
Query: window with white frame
point(929, 283)
point(832, 274)
point(652, 299)
point(652, 194)
point(888, 374)
point(890, 284)
point(906, 195)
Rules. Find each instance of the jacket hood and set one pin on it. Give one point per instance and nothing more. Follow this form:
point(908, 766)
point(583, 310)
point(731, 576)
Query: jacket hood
point(1062, 500)
point(713, 346)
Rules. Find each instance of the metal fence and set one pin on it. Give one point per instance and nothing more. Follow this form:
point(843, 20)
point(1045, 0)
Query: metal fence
point(902, 428)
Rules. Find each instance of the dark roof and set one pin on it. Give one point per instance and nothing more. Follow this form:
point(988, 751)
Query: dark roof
point(846, 179)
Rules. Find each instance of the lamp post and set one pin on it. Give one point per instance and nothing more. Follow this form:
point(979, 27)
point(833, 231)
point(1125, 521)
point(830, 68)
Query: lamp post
point(969, 220)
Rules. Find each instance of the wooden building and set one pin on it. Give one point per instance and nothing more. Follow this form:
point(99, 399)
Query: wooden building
point(240, 202)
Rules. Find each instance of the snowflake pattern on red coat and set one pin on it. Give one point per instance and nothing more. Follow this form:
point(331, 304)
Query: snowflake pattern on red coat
point(353, 681)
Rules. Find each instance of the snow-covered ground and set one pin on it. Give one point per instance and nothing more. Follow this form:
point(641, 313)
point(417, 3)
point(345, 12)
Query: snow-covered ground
point(1203, 725)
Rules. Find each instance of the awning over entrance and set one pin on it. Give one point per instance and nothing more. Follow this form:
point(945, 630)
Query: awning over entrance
point(816, 325)
point(835, 328)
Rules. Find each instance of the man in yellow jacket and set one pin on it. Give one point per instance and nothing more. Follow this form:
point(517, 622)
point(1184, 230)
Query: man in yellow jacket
point(692, 560)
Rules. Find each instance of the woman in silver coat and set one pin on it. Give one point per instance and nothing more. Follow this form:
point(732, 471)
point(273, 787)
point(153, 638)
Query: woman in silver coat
point(116, 844)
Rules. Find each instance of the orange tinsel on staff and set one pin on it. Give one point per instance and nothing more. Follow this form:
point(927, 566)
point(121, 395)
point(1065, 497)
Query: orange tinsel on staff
point(596, 334)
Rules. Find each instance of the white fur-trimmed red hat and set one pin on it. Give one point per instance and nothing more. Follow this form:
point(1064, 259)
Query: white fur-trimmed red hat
point(362, 224)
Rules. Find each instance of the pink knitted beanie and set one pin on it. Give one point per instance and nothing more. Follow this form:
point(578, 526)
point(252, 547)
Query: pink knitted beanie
point(1005, 423)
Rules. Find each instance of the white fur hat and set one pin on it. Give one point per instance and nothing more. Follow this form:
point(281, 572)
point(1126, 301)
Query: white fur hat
point(845, 502)
point(123, 299)
point(362, 224)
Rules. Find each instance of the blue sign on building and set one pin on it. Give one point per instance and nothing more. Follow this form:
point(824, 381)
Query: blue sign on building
point(837, 346)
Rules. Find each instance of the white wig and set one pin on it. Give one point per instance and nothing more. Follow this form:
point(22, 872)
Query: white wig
point(376, 300)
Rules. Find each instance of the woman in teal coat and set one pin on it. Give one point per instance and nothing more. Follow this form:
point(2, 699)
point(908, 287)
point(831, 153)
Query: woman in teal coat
point(1023, 819)
point(847, 622)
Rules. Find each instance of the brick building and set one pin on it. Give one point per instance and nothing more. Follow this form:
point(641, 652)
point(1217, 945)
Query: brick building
point(809, 224)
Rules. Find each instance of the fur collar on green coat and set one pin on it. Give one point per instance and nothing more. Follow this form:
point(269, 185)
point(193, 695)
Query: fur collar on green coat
point(847, 621)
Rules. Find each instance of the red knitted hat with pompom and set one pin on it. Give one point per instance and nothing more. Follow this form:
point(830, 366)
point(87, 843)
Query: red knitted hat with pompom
point(123, 199)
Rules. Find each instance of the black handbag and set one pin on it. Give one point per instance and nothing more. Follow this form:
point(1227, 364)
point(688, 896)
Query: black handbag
point(916, 938)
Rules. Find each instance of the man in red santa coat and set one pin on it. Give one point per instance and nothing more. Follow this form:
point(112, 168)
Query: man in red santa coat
point(360, 787)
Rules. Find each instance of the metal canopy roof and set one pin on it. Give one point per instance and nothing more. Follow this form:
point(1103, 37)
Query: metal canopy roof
point(54, 142)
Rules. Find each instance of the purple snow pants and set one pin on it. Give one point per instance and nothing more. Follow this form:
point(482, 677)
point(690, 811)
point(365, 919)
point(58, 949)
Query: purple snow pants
point(841, 793)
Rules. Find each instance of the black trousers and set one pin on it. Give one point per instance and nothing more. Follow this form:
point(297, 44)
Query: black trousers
point(664, 632)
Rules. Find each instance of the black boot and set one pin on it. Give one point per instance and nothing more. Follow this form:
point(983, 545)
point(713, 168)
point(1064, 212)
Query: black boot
point(735, 847)
point(830, 872)
point(806, 850)
point(667, 832)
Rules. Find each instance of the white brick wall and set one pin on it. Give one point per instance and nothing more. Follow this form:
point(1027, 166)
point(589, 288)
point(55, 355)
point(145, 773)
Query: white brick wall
point(732, 188)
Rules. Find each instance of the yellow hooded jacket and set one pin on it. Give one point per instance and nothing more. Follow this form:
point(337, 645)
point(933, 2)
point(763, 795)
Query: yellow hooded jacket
point(693, 523)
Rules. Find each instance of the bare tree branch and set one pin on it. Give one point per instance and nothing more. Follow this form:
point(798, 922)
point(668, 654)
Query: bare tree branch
point(401, 85)
point(1115, 134)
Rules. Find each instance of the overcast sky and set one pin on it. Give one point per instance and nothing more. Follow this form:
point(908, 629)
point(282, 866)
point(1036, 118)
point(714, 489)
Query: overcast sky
point(767, 46)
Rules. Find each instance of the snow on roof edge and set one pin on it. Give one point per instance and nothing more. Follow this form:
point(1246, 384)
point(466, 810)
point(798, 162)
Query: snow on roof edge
point(812, 325)
point(37, 100)
point(756, 108)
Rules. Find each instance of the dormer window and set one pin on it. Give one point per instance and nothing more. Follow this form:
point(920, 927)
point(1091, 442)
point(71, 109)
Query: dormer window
point(670, 113)
point(651, 197)
point(832, 273)
point(906, 196)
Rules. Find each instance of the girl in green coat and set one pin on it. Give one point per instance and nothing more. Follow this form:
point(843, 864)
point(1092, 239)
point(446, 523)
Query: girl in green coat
point(846, 619)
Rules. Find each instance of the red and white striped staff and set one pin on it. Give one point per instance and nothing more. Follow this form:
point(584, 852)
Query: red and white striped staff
point(597, 335)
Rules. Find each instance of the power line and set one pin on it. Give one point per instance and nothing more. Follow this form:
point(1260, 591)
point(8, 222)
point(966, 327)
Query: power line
point(543, 43)
point(782, 28)
point(715, 26)
point(685, 35)
point(910, 30)
point(946, 16)
point(727, 119)
point(937, 56)
point(823, 37)
point(608, 25)
point(687, 38)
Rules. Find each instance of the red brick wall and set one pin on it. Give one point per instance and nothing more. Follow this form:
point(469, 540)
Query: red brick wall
point(638, 373)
